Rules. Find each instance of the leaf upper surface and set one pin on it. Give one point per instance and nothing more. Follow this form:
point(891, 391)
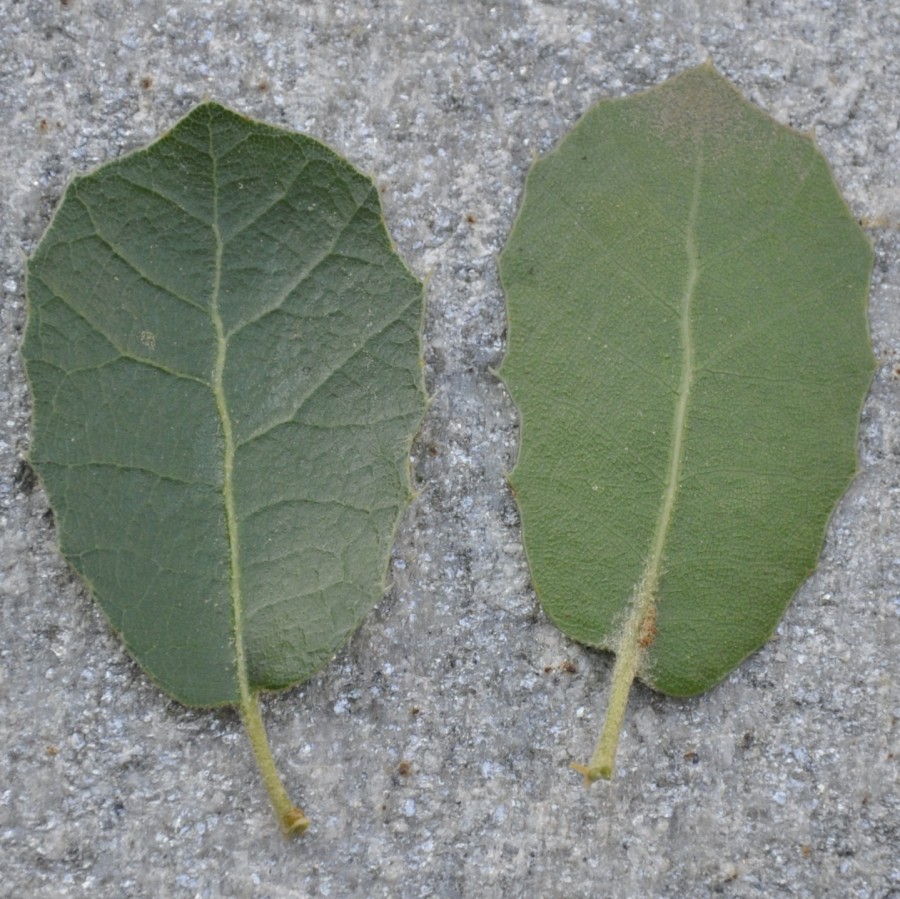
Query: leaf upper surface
point(689, 353)
point(223, 349)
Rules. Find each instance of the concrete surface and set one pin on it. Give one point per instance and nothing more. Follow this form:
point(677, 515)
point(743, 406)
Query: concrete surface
point(783, 781)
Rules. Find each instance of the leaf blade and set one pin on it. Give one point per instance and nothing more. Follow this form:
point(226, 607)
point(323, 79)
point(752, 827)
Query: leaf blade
point(183, 301)
point(597, 360)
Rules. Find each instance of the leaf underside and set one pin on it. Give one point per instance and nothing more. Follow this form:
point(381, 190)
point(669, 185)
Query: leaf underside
point(223, 350)
point(688, 351)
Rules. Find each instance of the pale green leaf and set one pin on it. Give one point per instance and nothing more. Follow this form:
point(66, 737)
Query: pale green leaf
point(223, 350)
point(689, 353)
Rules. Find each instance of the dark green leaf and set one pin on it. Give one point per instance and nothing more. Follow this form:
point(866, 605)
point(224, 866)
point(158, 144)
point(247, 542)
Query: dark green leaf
point(223, 350)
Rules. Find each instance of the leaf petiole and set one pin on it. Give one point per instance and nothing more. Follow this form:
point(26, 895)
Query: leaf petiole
point(290, 817)
point(604, 759)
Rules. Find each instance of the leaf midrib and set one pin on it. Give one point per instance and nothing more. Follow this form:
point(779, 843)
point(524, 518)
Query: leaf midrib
point(218, 388)
point(645, 595)
point(639, 628)
point(684, 388)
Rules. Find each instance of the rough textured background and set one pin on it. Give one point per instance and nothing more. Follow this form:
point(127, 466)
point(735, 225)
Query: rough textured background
point(783, 781)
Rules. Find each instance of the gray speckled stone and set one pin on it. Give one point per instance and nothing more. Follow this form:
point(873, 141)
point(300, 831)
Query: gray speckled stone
point(782, 781)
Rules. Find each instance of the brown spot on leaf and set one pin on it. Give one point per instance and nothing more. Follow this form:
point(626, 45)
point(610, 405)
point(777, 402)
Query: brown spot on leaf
point(647, 632)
